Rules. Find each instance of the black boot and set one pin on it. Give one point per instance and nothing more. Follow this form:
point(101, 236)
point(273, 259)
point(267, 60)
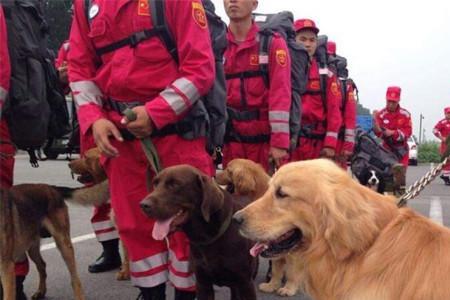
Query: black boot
point(446, 179)
point(20, 295)
point(155, 293)
point(110, 258)
point(184, 295)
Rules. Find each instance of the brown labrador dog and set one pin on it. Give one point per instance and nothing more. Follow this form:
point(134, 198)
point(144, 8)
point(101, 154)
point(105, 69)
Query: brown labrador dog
point(24, 209)
point(186, 199)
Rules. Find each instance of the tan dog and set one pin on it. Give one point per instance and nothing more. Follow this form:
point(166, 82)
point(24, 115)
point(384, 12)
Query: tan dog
point(89, 169)
point(356, 244)
point(24, 209)
point(247, 178)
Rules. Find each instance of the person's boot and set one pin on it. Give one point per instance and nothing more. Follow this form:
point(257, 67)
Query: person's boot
point(20, 295)
point(154, 293)
point(446, 179)
point(184, 295)
point(110, 258)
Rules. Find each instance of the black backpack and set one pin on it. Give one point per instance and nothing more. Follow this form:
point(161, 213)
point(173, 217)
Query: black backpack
point(282, 23)
point(212, 108)
point(369, 153)
point(35, 108)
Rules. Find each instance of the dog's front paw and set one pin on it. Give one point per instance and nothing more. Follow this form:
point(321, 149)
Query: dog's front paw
point(268, 287)
point(123, 275)
point(287, 291)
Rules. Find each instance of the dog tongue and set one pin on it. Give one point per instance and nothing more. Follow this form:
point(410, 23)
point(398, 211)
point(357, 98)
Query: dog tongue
point(257, 249)
point(161, 229)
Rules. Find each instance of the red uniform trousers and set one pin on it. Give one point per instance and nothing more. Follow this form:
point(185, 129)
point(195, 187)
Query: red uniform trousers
point(307, 149)
point(446, 168)
point(151, 262)
point(7, 151)
point(258, 153)
point(101, 222)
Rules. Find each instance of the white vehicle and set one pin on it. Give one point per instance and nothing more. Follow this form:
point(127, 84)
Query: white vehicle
point(412, 151)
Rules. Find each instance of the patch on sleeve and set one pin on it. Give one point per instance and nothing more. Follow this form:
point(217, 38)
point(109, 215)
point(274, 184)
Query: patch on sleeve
point(143, 8)
point(281, 57)
point(198, 12)
point(334, 89)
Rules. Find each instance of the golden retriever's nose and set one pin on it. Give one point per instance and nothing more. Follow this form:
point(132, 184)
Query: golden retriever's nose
point(238, 217)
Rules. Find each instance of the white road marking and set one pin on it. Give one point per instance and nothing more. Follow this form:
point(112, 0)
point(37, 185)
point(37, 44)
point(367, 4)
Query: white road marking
point(75, 240)
point(436, 210)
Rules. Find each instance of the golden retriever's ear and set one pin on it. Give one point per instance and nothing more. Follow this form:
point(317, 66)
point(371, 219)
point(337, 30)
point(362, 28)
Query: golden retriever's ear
point(244, 181)
point(350, 223)
point(212, 197)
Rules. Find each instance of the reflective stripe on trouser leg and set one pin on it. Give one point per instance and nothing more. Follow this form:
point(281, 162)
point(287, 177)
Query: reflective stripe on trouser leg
point(179, 272)
point(104, 227)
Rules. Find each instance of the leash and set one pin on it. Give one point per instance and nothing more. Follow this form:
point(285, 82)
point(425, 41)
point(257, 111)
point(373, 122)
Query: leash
point(147, 145)
point(420, 184)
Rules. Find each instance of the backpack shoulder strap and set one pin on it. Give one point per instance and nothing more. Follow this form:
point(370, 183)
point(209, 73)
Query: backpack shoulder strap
point(160, 23)
point(87, 7)
point(265, 41)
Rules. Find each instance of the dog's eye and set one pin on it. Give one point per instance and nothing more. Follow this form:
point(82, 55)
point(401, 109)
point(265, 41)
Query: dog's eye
point(280, 194)
point(155, 182)
point(171, 183)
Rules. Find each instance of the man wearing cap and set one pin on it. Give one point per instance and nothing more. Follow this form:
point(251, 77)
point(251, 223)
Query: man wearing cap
point(321, 118)
point(346, 138)
point(442, 132)
point(393, 125)
point(258, 110)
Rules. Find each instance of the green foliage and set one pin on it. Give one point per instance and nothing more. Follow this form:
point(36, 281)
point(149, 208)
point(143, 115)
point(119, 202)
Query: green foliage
point(59, 19)
point(429, 152)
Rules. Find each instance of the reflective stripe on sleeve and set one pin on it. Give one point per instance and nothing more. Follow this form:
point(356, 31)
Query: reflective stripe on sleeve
point(86, 92)
point(3, 94)
point(279, 127)
point(278, 116)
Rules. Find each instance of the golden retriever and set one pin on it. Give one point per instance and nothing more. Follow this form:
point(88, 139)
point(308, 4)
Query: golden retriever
point(356, 244)
point(246, 178)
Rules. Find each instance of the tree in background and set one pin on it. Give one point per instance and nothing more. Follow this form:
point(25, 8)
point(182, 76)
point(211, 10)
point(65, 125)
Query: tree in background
point(57, 13)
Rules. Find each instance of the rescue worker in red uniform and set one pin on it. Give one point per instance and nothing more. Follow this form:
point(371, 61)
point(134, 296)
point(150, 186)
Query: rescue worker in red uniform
point(113, 65)
point(7, 149)
point(442, 132)
point(104, 228)
point(258, 113)
point(346, 137)
point(393, 125)
point(321, 117)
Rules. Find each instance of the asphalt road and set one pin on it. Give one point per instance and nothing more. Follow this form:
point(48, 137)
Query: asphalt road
point(434, 201)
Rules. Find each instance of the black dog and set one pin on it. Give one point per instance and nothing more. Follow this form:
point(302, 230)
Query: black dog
point(372, 179)
point(184, 198)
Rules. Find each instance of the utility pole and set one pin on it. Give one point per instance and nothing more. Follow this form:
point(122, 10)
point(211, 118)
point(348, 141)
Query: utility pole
point(420, 128)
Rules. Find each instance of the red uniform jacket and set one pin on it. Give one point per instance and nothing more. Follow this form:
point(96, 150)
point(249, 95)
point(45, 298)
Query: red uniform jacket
point(399, 121)
point(313, 111)
point(5, 69)
point(442, 129)
point(349, 119)
point(145, 73)
point(273, 102)
point(62, 54)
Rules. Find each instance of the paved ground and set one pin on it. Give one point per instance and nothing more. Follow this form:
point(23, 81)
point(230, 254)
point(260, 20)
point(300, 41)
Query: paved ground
point(435, 200)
